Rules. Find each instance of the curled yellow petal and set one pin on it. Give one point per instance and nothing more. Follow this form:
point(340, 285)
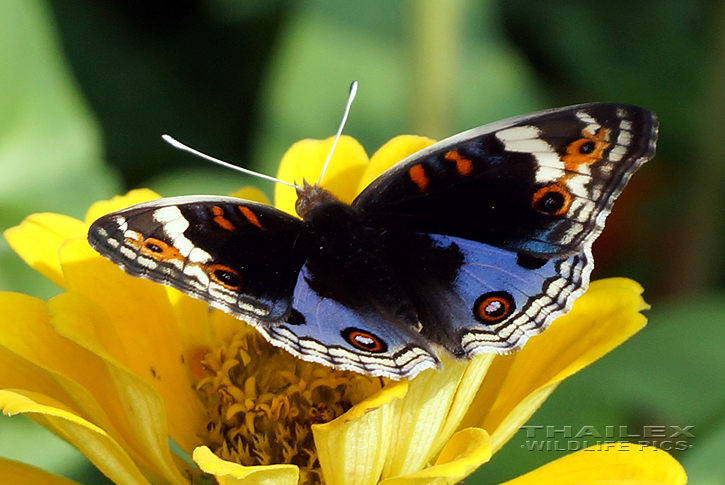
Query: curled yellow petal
point(469, 384)
point(228, 473)
point(616, 463)
point(21, 474)
point(353, 448)
point(304, 160)
point(391, 153)
point(430, 412)
point(38, 238)
point(464, 452)
point(92, 441)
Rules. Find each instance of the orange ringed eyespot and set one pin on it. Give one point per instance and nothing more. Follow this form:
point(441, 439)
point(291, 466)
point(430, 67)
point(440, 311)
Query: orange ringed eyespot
point(159, 250)
point(586, 150)
point(493, 307)
point(552, 199)
point(225, 276)
point(362, 340)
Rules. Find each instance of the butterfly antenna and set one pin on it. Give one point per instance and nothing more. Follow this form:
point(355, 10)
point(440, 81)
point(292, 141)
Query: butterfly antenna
point(350, 98)
point(177, 144)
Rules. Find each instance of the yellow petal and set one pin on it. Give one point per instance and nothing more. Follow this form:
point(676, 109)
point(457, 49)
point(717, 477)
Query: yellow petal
point(304, 160)
point(138, 329)
point(251, 193)
point(119, 402)
point(38, 238)
point(353, 448)
point(33, 356)
point(423, 415)
point(227, 473)
point(618, 463)
point(104, 207)
point(15, 473)
point(92, 441)
point(195, 331)
point(515, 385)
point(467, 389)
point(391, 153)
point(139, 410)
point(465, 452)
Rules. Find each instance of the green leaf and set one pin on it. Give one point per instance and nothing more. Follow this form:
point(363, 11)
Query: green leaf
point(50, 147)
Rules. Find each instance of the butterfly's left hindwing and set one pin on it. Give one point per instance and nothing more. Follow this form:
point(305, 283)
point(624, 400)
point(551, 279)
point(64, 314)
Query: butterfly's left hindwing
point(239, 256)
point(492, 299)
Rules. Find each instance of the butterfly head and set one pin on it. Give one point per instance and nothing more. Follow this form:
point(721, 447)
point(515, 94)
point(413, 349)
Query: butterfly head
point(310, 196)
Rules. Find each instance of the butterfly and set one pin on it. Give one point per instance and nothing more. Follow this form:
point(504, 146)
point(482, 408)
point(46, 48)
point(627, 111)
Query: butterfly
point(469, 246)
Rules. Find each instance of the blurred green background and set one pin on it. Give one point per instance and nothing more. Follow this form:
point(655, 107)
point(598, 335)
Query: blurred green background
point(87, 88)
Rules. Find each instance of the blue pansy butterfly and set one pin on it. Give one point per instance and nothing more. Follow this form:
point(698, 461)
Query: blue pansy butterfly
point(471, 245)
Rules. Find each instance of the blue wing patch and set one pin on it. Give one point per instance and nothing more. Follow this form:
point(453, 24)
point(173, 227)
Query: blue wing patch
point(328, 332)
point(499, 298)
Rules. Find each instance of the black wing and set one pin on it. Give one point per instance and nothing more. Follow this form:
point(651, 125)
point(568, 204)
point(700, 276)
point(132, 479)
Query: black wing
point(540, 184)
point(240, 256)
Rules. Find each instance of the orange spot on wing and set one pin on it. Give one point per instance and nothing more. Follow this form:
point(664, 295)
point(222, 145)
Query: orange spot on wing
point(160, 250)
point(418, 176)
point(586, 150)
point(250, 216)
point(463, 165)
point(220, 220)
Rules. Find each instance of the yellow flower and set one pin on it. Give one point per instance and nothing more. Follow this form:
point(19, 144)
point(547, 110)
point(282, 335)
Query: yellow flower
point(120, 367)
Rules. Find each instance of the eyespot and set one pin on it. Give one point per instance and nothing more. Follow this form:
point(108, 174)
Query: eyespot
point(225, 276)
point(154, 245)
point(586, 150)
point(362, 340)
point(159, 250)
point(587, 147)
point(552, 199)
point(493, 307)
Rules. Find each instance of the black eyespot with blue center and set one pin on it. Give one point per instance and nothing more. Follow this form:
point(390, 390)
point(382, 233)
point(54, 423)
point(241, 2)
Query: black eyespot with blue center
point(587, 147)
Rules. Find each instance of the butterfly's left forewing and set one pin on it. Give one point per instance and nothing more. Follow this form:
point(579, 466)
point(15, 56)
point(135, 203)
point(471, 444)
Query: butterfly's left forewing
point(240, 256)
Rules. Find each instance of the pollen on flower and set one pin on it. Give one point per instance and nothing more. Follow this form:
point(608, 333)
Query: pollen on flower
point(262, 403)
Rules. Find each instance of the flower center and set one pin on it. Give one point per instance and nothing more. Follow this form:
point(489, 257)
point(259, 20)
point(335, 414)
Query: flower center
point(262, 403)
